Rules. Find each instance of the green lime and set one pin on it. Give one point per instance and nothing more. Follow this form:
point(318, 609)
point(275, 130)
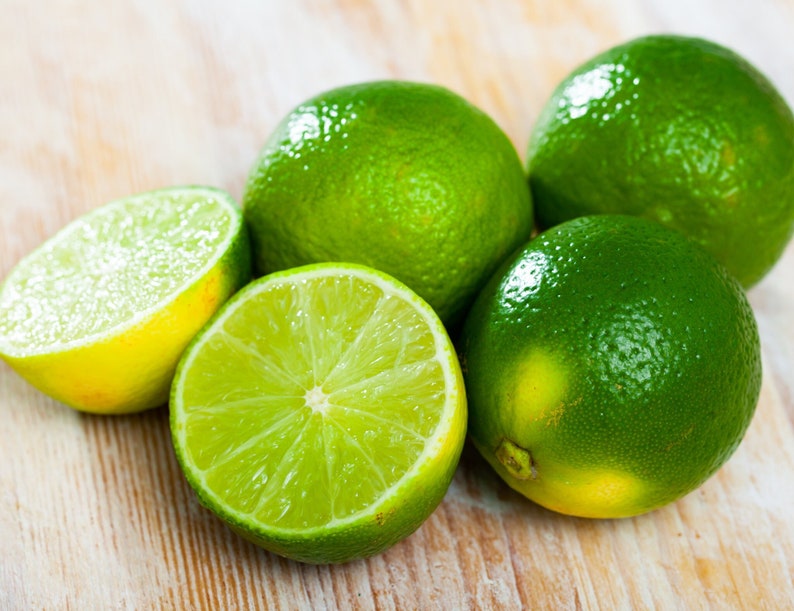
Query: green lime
point(322, 413)
point(678, 130)
point(98, 316)
point(612, 367)
point(405, 177)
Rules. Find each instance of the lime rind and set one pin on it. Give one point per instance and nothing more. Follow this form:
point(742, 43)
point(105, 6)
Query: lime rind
point(118, 249)
point(408, 494)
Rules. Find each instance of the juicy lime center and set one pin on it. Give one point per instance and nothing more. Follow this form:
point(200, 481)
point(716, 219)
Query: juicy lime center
point(317, 400)
point(334, 386)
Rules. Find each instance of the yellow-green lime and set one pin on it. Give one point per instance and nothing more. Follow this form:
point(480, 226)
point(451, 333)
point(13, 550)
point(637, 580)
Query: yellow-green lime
point(679, 130)
point(612, 366)
point(322, 413)
point(98, 316)
point(406, 177)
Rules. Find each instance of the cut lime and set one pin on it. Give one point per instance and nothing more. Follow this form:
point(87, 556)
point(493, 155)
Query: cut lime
point(98, 316)
point(322, 413)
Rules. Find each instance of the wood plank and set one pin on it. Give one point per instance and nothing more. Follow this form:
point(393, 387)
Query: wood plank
point(100, 100)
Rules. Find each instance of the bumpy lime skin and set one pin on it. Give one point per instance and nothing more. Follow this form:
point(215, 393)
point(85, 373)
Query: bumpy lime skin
point(405, 177)
point(659, 346)
point(679, 130)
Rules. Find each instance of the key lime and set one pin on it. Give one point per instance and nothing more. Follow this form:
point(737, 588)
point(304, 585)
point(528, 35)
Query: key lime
point(98, 316)
point(408, 178)
point(321, 414)
point(679, 130)
point(612, 367)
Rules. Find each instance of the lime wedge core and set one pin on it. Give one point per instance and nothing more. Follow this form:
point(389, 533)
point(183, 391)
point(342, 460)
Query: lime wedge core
point(312, 395)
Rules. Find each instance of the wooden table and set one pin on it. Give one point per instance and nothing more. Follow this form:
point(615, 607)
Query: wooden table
point(102, 99)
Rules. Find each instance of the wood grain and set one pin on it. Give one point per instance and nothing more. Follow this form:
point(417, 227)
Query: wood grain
point(100, 100)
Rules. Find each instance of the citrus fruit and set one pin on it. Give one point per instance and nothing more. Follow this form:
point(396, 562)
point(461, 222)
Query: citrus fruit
point(405, 177)
point(679, 130)
point(98, 316)
point(612, 367)
point(322, 413)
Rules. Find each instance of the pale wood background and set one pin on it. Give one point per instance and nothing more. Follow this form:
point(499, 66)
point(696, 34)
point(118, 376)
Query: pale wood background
point(99, 100)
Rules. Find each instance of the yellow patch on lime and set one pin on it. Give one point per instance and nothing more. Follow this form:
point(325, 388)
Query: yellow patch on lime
point(540, 387)
point(601, 493)
point(586, 492)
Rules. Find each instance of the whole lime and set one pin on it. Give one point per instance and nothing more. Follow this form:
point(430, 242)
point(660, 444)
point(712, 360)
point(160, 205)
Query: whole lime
point(408, 178)
point(675, 129)
point(611, 367)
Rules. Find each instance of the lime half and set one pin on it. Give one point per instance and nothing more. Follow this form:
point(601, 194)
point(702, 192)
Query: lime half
point(322, 413)
point(98, 316)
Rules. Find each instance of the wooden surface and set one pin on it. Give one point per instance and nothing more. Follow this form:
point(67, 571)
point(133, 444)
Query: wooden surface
point(102, 99)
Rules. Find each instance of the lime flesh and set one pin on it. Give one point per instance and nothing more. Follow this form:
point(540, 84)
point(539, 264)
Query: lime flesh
point(98, 316)
point(322, 413)
point(109, 267)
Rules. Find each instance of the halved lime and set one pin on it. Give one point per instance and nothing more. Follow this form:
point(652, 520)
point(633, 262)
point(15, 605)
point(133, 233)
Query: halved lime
point(322, 413)
point(98, 316)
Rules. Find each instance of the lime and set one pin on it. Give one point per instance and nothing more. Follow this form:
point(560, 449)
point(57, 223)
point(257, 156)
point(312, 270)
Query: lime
point(405, 177)
point(678, 130)
point(98, 316)
point(322, 413)
point(612, 367)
